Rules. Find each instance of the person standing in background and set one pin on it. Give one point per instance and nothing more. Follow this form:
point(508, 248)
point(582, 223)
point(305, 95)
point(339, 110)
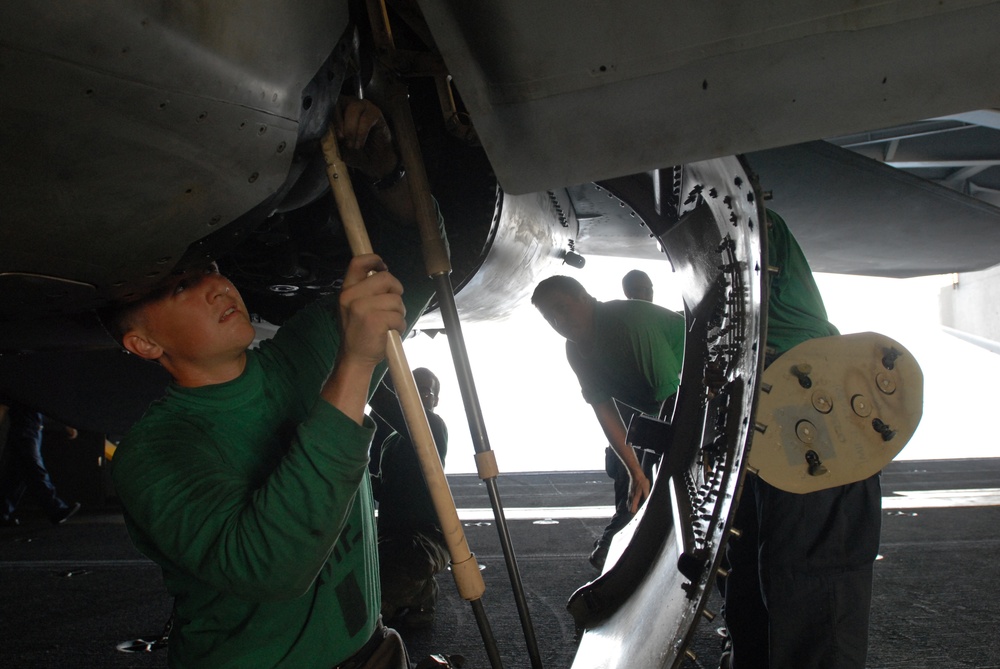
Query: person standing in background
point(23, 469)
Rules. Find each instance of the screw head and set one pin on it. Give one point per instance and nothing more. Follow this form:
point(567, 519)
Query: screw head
point(885, 383)
point(805, 431)
point(822, 402)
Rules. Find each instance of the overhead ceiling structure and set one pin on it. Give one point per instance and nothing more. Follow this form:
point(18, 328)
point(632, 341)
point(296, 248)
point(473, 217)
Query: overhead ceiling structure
point(563, 93)
point(932, 187)
point(960, 152)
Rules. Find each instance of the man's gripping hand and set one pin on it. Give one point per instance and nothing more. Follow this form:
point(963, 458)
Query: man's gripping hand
point(371, 304)
point(364, 137)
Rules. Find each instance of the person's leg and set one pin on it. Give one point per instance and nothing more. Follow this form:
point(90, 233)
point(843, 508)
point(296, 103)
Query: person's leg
point(817, 552)
point(616, 470)
point(424, 604)
point(408, 563)
point(25, 441)
point(402, 571)
point(819, 621)
point(10, 498)
point(11, 484)
point(743, 607)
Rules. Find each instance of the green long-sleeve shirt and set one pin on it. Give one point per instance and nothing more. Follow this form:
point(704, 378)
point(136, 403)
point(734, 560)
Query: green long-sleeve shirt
point(254, 498)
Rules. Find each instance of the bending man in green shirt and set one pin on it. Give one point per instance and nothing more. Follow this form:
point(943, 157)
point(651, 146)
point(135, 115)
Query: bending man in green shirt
point(248, 482)
point(625, 350)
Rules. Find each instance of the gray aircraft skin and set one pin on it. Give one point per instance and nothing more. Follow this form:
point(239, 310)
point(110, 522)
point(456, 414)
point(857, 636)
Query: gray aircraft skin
point(142, 139)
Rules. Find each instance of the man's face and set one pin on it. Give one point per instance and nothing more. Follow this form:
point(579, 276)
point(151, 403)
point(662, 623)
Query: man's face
point(569, 315)
point(199, 318)
point(428, 387)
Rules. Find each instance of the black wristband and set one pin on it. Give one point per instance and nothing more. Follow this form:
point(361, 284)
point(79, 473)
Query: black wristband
point(390, 179)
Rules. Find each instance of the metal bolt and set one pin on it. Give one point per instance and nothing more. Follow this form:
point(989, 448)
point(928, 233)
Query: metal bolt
point(816, 467)
point(802, 373)
point(883, 429)
point(885, 383)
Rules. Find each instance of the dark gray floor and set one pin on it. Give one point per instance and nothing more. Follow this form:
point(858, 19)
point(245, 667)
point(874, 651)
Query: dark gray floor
point(71, 593)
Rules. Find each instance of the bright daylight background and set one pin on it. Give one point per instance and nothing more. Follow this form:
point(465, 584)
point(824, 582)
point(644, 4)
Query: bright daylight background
point(537, 421)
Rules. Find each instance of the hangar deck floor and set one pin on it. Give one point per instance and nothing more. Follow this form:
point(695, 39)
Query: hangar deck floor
point(72, 593)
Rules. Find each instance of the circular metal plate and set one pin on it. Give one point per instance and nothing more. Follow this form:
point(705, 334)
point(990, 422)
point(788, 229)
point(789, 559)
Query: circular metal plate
point(872, 399)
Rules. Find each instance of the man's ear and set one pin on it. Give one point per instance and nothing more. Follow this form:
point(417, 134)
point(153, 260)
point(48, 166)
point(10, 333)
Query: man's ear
point(135, 342)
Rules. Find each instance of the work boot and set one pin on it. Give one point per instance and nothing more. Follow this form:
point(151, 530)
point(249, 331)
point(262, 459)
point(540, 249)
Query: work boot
point(421, 614)
point(599, 556)
point(64, 514)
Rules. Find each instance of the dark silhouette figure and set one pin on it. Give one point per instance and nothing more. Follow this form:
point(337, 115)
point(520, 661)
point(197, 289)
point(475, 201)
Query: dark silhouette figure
point(23, 469)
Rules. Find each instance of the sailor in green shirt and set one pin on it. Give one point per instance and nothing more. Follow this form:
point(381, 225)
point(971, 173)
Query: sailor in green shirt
point(625, 350)
point(795, 310)
point(799, 587)
point(248, 482)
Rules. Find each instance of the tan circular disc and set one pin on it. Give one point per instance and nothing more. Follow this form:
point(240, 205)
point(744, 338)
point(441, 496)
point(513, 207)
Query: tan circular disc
point(861, 404)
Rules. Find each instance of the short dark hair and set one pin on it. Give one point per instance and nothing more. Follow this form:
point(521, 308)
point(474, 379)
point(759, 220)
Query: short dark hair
point(564, 285)
point(631, 278)
point(430, 376)
point(119, 318)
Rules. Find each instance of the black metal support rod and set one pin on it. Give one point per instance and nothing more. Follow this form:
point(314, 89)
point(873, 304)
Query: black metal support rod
point(480, 441)
point(489, 641)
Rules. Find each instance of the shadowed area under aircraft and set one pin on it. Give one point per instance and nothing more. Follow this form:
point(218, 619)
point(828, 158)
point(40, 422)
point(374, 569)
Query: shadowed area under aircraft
point(72, 593)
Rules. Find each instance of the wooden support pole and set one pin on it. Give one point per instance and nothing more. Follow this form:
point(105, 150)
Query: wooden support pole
point(465, 569)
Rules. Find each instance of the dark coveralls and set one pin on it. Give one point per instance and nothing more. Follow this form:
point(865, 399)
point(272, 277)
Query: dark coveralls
point(411, 546)
point(23, 467)
point(800, 584)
